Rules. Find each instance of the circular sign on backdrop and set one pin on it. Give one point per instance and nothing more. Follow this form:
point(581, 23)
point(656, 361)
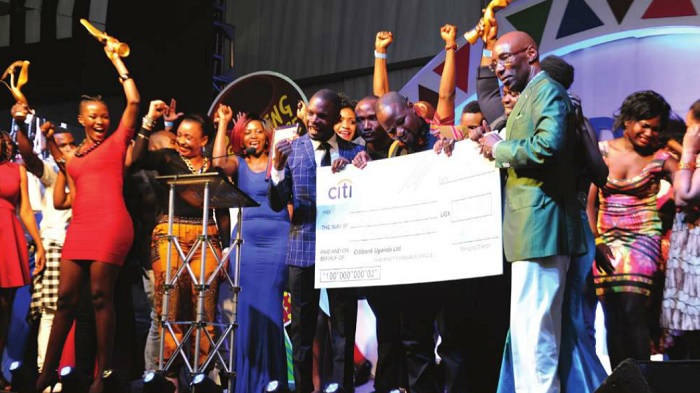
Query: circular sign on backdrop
point(270, 94)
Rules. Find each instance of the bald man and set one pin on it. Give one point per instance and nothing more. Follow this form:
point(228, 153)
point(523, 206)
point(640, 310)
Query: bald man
point(541, 226)
point(401, 120)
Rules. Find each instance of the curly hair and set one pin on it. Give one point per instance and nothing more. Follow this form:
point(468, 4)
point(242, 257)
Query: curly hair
point(238, 132)
point(643, 105)
point(347, 102)
point(559, 70)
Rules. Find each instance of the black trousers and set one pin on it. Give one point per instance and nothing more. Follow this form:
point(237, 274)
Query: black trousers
point(421, 314)
point(626, 324)
point(343, 307)
point(391, 361)
point(471, 317)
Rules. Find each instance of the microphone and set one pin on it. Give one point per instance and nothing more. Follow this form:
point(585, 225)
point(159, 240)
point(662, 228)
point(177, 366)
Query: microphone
point(249, 151)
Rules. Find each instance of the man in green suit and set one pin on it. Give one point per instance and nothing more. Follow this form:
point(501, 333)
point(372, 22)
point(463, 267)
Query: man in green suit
point(541, 226)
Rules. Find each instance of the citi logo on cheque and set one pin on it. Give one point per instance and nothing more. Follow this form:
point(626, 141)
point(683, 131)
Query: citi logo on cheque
point(342, 190)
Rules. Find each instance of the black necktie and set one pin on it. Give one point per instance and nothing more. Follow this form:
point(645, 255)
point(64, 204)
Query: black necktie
point(326, 147)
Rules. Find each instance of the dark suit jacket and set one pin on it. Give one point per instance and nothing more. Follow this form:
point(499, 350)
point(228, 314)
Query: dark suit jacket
point(299, 187)
point(541, 216)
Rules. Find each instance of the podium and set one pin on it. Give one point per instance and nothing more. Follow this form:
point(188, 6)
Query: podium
point(206, 191)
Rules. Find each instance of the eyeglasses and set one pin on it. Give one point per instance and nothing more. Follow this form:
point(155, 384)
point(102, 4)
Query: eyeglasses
point(506, 59)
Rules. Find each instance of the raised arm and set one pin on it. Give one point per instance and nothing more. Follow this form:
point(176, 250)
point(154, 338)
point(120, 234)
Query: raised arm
point(381, 78)
point(446, 99)
point(26, 214)
point(61, 199)
point(131, 111)
point(156, 110)
point(26, 147)
point(488, 92)
point(229, 164)
point(47, 129)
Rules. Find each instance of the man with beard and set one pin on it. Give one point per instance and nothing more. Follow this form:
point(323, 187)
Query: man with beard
point(541, 227)
point(294, 181)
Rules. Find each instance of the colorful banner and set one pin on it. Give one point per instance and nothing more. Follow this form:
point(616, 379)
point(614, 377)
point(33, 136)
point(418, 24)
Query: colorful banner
point(616, 46)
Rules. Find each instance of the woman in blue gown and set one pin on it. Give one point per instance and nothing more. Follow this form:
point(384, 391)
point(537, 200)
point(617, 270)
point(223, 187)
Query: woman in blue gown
point(259, 346)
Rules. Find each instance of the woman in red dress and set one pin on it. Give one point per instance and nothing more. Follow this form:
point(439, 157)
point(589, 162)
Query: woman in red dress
point(100, 233)
point(14, 257)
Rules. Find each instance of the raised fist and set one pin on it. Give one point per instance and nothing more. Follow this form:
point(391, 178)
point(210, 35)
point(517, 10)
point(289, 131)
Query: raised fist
point(383, 40)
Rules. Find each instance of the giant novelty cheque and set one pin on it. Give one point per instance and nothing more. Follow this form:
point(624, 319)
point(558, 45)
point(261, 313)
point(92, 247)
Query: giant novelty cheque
point(418, 218)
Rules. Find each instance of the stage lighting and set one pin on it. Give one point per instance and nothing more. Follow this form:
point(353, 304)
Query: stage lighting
point(72, 380)
point(155, 382)
point(22, 377)
point(202, 384)
point(332, 388)
point(276, 387)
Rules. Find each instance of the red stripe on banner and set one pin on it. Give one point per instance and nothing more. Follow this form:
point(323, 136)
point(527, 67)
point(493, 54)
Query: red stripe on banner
point(462, 68)
point(669, 9)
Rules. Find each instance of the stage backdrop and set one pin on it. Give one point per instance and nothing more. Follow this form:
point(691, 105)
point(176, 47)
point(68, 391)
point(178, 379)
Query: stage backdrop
point(269, 94)
point(617, 47)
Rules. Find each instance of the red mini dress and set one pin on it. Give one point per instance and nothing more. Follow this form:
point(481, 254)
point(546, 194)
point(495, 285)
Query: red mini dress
point(14, 256)
point(101, 228)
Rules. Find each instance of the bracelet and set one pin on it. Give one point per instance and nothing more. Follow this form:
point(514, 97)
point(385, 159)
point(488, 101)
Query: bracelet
point(124, 77)
point(379, 55)
point(148, 122)
point(599, 241)
point(140, 135)
point(686, 165)
point(169, 124)
point(487, 53)
point(451, 47)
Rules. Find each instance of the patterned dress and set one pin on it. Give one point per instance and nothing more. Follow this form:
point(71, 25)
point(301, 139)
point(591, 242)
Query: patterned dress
point(629, 223)
point(681, 300)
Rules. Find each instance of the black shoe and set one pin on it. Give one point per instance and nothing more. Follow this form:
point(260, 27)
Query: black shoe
point(363, 372)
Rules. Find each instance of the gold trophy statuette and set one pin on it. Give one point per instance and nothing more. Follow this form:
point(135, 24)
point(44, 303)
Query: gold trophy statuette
point(21, 80)
point(489, 13)
point(119, 47)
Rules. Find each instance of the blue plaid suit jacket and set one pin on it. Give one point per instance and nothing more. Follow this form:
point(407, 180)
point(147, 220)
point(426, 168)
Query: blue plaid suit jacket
point(299, 187)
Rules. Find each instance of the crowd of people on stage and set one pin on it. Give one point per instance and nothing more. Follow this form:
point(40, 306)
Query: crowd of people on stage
point(584, 221)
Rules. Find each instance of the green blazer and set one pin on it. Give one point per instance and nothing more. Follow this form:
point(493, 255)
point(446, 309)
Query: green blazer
point(540, 216)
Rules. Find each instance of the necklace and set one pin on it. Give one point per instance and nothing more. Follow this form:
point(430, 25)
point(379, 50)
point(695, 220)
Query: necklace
point(92, 147)
point(205, 165)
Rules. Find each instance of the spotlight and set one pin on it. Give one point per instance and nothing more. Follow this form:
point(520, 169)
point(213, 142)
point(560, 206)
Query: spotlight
point(22, 377)
point(155, 382)
point(276, 387)
point(72, 380)
point(202, 384)
point(333, 387)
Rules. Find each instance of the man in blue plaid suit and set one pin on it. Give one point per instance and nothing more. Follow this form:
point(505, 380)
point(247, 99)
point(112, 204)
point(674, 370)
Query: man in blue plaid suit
point(294, 181)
